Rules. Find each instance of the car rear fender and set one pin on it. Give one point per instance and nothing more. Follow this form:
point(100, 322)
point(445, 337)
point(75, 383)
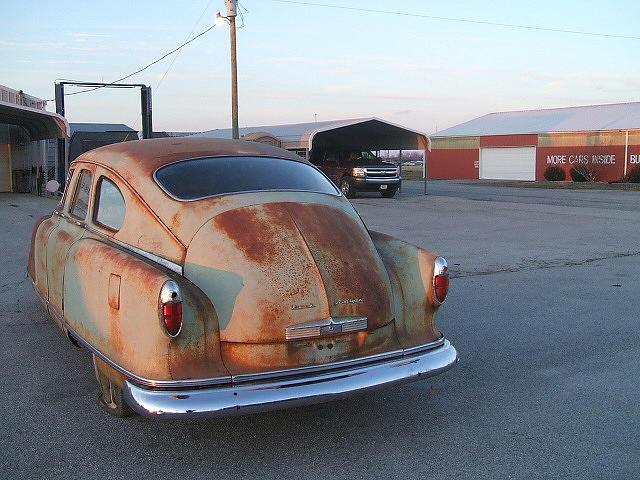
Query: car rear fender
point(37, 267)
point(111, 301)
point(410, 270)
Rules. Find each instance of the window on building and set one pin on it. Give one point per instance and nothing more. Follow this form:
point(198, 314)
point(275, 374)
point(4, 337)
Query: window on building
point(80, 205)
point(110, 207)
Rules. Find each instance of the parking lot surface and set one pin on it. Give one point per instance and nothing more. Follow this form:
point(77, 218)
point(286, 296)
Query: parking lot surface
point(543, 309)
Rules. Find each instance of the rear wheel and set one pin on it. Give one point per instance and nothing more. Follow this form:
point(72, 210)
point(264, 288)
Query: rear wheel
point(388, 193)
point(110, 394)
point(346, 188)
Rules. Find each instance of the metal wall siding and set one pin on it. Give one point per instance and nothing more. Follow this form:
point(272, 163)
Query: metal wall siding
point(527, 140)
point(448, 143)
point(458, 164)
point(585, 139)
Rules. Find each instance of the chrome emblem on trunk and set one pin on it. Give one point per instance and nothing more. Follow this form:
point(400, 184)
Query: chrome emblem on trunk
point(301, 307)
point(349, 300)
point(330, 326)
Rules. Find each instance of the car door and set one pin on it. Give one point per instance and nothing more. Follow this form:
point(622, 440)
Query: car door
point(70, 228)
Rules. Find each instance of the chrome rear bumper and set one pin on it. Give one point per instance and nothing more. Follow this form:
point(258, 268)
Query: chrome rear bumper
point(245, 398)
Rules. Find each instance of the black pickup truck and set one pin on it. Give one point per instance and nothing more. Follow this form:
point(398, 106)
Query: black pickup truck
point(354, 171)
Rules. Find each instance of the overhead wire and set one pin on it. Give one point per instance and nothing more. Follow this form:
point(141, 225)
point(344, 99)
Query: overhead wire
point(197, 22)
point(454, 19)
point(143, 68)
point(173, 60)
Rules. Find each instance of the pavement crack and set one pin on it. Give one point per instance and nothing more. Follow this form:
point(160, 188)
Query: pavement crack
point(541, 265)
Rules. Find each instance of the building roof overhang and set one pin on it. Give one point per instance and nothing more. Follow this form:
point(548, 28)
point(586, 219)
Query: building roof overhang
point(40, 124)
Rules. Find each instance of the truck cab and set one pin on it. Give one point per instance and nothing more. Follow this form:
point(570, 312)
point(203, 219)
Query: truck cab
point(354, 171)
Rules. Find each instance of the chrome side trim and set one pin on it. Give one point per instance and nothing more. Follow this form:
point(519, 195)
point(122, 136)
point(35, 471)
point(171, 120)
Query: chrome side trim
point(174, 267)
point(251, 398)
point(329, 326)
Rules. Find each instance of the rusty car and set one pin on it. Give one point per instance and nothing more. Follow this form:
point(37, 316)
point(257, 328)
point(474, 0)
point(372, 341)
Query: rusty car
point(212, 277)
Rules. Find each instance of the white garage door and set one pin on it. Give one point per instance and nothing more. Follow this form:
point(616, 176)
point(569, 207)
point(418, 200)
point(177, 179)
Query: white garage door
point(508, 163)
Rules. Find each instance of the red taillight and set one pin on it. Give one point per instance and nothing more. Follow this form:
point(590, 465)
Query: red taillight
point(440, 279)
point(172, 317)
point(441, 286)
point(171, 308)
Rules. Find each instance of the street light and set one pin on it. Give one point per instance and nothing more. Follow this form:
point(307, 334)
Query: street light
point(231, 18)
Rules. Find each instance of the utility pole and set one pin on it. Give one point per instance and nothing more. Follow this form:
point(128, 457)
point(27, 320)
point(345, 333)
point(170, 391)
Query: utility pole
point(231, 15)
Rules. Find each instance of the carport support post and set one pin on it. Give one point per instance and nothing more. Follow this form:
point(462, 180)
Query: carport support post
point(61, 159)
point(400, 170)
point(626, 152)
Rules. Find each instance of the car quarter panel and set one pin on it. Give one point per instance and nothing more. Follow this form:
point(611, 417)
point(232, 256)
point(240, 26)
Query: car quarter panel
point(37, 268)
point(112, 303)
point(410, 270)
point(141, 228)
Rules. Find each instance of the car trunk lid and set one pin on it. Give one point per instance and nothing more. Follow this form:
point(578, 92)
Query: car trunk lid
point(288, 280)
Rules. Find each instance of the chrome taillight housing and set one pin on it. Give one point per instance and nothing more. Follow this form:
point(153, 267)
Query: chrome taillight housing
point(170, 308)
point(440, 280)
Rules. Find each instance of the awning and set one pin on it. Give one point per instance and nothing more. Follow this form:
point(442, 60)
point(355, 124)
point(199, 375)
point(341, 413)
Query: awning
point(40, 124)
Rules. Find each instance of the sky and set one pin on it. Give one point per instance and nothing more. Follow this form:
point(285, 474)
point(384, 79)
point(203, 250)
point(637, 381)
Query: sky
point(300, 63)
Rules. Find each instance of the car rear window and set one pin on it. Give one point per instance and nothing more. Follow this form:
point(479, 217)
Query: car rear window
point(210, 176)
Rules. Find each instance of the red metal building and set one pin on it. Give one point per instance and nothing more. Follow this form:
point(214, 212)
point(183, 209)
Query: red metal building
point(521, 145)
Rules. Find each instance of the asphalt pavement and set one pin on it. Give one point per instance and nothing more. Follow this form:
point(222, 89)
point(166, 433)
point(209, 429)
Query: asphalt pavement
point(543, 309)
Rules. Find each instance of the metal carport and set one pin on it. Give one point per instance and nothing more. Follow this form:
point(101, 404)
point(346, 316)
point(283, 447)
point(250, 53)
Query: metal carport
point(359, 133)
point(40, 124)
point(18, 123)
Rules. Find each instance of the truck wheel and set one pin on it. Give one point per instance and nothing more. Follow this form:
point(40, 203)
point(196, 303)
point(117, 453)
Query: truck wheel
point(110, 394)
point(388, 193)
point(346, 188)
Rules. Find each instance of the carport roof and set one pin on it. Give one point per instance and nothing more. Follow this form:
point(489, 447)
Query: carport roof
point(99, 127)
point(40, 124)
point(301, 135)
point(614, 116)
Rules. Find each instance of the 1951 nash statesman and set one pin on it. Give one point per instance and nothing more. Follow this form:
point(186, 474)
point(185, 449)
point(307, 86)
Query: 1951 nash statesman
point(217, 277)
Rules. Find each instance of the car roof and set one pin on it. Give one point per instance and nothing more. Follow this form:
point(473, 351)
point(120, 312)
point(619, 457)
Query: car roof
point(146, 156)
point(137, 160)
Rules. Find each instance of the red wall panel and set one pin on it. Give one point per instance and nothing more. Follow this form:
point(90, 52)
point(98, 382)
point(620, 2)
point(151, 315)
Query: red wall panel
point(461, 164)
point(607, 161)
point(528, 140)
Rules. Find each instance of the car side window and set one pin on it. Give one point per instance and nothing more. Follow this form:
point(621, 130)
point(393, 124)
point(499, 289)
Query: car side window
point(80, 205)
point(110, 207)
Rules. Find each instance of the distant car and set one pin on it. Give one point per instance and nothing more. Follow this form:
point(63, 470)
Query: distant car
point(358, 171)
point(217, 277)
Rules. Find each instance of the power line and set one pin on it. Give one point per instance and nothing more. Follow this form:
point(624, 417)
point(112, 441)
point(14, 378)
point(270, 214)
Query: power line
point(143, 68)
point(190, 33)
point(462, 20)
